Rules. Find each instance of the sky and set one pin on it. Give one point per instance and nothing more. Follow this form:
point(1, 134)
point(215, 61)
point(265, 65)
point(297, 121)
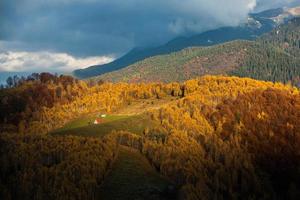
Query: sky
point(63, 35)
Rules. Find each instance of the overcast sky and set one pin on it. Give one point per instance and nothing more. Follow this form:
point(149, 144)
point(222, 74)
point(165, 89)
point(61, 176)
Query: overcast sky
point(62, 35)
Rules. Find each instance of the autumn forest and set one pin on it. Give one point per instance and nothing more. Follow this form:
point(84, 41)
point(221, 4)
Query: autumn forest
point(150, 100)
point(217, 138)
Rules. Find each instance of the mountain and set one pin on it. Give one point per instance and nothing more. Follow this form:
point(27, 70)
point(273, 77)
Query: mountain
point(256, 25)
point(180, 66)
point(277, 56)
point(286, 14)
point(274, 56)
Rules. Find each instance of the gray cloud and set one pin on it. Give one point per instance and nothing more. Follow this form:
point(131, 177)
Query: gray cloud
point(93, 27)
point(89, 28)
point(46, 61)
point(268, 4)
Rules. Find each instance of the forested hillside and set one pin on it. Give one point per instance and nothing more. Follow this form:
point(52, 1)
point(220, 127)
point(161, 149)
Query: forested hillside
point(286, 37)
point(220, 138)
point(273, 57)
point(46, 167)
point(185, 64)
point(276, 56)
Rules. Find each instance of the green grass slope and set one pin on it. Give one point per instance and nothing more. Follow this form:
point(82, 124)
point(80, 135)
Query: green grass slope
point(88, 120)
point(83, 127)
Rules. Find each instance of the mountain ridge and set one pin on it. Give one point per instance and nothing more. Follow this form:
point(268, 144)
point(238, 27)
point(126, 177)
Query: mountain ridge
point(272, 57)
point(247, 31)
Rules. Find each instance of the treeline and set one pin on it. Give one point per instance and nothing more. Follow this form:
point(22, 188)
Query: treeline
point(45, 167)
point(227, 142)
point(25, 97)
point(45, 77)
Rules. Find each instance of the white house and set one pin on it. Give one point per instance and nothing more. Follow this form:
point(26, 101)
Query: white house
point(97, 121)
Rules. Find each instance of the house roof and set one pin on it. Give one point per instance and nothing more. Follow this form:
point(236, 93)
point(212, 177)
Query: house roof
point(98, 120)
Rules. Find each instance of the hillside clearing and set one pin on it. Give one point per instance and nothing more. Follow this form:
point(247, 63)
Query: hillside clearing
point(132, 177)
point(132, 118)
point(133, 124)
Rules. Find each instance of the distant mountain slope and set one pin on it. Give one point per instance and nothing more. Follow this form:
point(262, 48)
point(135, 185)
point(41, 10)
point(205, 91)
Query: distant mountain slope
point(274, 57)
point(256, 25)
point(183, 65)
point(286, 37)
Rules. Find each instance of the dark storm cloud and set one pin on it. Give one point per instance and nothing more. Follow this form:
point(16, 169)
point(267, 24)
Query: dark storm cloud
point(95, 27)
point(77, 28)
point(102, 27)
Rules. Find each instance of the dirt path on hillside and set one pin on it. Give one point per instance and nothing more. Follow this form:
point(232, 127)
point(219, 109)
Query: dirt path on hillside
point(132, 178)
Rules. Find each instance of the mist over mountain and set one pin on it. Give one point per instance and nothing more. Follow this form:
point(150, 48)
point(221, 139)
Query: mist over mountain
point(256, 25)
point(273, 57)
